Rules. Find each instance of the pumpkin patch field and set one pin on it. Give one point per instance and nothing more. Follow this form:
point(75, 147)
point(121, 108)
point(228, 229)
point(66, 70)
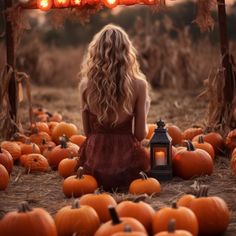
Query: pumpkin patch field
point(43, 181)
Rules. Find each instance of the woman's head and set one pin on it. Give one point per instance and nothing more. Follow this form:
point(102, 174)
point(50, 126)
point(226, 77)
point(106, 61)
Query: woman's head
point(108, 72)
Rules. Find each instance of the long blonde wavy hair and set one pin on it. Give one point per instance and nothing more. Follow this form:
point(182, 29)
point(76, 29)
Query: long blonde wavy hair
point(107, 72)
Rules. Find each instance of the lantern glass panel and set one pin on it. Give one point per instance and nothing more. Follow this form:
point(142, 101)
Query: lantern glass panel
point(160, 156)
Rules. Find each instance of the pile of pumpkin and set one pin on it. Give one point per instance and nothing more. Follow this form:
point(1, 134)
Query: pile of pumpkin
point(193, 151)
point(99, 214)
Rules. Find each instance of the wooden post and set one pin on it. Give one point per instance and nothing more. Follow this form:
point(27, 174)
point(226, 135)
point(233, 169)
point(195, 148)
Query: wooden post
point(11, 61)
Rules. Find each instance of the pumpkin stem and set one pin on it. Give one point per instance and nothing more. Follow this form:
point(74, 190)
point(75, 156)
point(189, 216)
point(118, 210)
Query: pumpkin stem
point(190, 146)
point(97, 191)
point(63, 141)
point(127, 228)
point(201, 139)
point(143, 175)
point(44, 142)
point(80, 173)
point(174, 205)
point(114, 217)
point(49, 113)
point(24, 207)
point(171, 226)
point(75, 204)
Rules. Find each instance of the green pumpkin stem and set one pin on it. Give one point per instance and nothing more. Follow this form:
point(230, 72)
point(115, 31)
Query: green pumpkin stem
point(201, 139)
point(127, 228)
point(75, 204)
point(143, 175)
point(114, 217)
point(80, 173)
point(190, 146)
point(24, 207)
point(171, 226)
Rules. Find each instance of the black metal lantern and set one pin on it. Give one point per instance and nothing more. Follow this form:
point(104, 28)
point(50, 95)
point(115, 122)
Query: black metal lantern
point(161, 153)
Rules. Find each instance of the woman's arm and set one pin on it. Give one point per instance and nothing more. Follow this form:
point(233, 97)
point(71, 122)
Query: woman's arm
point(141, 111)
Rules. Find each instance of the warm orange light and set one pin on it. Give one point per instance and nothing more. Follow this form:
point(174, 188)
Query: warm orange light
point(44, 5)
point(76, 2)
point(110, 3)
point(61, 3)
point(160, 159)
point(150, 2)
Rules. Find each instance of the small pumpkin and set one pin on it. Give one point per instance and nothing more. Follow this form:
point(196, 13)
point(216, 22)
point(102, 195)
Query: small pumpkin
point(77, 185)
point(99, 202)
point(212, 212)
point(62, 151)
point(40, 127)
point(38, 137)
point(172, 230)
point(77, 139)
point(55, 117)
point(190, 133)
point(191, 162)
point(231, 139)
point(145, 185)
point(28, 148)
point(36, 162)
point(117, 224)
point(151, 129)
point(129, 232)
point(13, 148)
point(77, 220)
point(68, 167)
point(6, 160)
point(185, 219)
point(63, 128)
point(27, 221)
point(175, 133)
point(201, 144)
point(140, 211)
point(4, 177)
point(52, 125)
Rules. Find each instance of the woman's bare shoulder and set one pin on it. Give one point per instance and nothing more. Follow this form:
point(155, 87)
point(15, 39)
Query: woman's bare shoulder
point(140, 85)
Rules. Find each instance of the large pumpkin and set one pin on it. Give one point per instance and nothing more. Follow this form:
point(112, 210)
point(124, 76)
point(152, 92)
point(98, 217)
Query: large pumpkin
point(63, 128)
point(68, 167)
point(201, 144)
point(191, 162)
point(212, 212)
point(4, 177)
point(60, 152)
point(13, 148)
point(175, 133)
point(35, 162)
point(27, 221)
point(99, 202)
point(76, 220)
point(185, 219)
point(117, 224)
point(6, 160)
point(172, 230)
point(190, 133)
point(77, 185)
point(231, 139)
point(144, 185)
point(140, 211)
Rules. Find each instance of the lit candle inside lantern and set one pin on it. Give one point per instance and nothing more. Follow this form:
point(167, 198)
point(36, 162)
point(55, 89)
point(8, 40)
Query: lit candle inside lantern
point(160, 158)
point(44, 5)
point(110, 3)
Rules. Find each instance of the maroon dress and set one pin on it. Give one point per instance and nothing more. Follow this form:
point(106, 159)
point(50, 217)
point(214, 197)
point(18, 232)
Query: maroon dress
point(112, 154)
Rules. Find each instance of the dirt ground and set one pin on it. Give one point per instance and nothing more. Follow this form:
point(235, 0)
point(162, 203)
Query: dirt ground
point(182, 108)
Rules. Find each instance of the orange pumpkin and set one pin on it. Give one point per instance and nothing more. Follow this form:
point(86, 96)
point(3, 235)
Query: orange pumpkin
point(36, 162)
point(40, 127)
point(172, 231)
point(23, 159)
point(4, 177)
point(151, 129)
point(52, 125)
point(76, 220)
point(63, 129)
point(28, 221)
point(201, 144)
point(175, 133)
point(77, 185)
point(6, 160)
point(39, 137)
point(212, 212)
point(28, 148)
point(99, 202)
point(191, 162)
point(55, 117)
point(68, 167)
point(145, 185)
point(185, 219)
point(77, 139)
point(60, 152)
point(46, 145)
point(117, 224)
point(190, 133)
point(231, 139)
point(140, 211)
point(13, 148)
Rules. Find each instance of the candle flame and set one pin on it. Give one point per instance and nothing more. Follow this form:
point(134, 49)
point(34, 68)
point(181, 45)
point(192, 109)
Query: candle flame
point(44, 3)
